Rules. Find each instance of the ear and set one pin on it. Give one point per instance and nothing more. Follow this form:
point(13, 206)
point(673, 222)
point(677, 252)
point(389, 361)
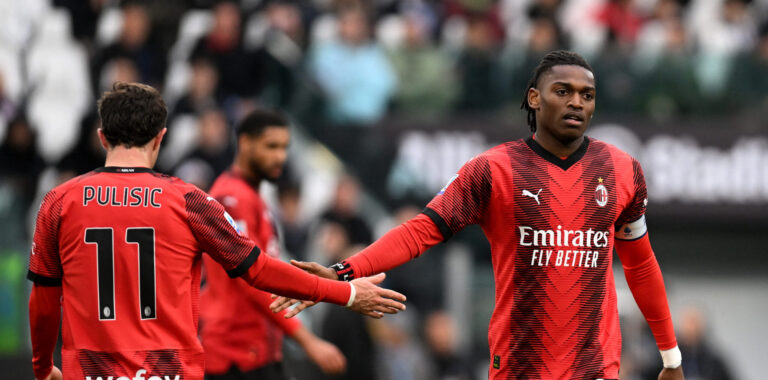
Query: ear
point(103, 139)
point(159, 139)
point(534, 98)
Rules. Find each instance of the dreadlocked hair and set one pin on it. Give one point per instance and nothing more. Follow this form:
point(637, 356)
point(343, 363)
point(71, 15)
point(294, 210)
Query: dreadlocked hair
point(554, 58)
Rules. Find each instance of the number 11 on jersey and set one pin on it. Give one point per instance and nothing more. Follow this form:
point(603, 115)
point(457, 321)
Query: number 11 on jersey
point(144, 238)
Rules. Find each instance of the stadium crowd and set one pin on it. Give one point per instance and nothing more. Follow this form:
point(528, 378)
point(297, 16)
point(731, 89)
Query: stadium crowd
point(340, 67)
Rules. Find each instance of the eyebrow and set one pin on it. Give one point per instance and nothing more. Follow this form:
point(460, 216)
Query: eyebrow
point(569, 85)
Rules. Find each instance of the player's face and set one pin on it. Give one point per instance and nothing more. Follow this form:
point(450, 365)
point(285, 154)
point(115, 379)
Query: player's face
point(267, 152)
point(564, 101)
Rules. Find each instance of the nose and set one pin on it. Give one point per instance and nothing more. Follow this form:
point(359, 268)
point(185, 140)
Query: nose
point(575, 101)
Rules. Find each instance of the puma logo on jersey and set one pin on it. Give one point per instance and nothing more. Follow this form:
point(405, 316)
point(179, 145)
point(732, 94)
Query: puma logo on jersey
point(527, 193)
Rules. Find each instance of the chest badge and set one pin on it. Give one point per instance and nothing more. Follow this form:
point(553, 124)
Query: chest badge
point(527, 193)
point(601, 193)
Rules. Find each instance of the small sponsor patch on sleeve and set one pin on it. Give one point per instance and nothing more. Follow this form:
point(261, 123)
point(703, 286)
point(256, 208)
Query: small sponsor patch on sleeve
point(496, 361)
point(450, 181)
point(633, 230)
point(232, 223)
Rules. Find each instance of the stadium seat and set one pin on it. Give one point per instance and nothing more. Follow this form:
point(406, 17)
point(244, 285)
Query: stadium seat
point(58, 76)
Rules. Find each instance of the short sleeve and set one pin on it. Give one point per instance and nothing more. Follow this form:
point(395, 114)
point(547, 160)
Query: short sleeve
point(218, 234)
point(464, 200)
point(635, 209)
point(44, 259)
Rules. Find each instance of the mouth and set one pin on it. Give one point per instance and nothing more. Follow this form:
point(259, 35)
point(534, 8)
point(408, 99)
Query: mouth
point(574, 119)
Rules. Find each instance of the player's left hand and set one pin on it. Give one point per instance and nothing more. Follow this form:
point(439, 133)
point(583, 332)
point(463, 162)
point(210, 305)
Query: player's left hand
point(327, 356)
point(672, 374)
point(54, 375)
point(282, 303)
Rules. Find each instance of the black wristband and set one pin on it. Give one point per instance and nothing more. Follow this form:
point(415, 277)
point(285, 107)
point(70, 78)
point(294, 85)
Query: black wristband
point(343, 271)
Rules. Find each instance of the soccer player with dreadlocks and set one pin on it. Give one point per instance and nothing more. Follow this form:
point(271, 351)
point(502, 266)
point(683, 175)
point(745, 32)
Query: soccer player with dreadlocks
point(553, 207)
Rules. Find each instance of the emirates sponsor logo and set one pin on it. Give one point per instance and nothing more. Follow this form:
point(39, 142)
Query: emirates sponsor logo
point(531, 237)
point(575, 246)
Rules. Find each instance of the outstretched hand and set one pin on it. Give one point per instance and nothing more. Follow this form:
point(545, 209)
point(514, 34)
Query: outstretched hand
point(672, 374)
point(370, 299)
point(374, 301)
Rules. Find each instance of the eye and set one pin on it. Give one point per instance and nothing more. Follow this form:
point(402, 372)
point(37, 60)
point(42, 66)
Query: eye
point(589, 96)
point(561, 91)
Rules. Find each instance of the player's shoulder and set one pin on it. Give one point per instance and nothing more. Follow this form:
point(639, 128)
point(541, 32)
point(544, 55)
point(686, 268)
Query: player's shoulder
point(619, 156)
point(175, 184)
point(60, 191)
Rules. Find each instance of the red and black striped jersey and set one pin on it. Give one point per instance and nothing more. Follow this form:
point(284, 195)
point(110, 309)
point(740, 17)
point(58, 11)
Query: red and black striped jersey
point(252, 337)
point(126, 246)
point(551, 225)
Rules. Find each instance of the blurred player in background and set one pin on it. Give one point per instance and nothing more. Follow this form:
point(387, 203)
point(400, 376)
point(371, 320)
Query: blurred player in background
point(120, 248)
point(248, 343)
point(553, 206)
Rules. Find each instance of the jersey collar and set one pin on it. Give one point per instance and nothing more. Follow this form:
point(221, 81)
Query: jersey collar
point(120, 169)
point(559, 162)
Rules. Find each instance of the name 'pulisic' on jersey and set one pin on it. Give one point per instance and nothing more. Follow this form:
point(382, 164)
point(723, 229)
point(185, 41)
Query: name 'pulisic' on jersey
point(121, 197)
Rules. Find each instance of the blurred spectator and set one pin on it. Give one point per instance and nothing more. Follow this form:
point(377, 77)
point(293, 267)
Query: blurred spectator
point(84, 15)
point(201, 94)
point(440, 334)
point(700, 361)
point(7, 106)
point(749, 76)
point(721, 35)
point(478, 68)
point(667, 84)
point(281, 52)
point(344, 214)
point(623, 21)
point(135, 45)
point(21, 163)
point(353, 72)
point(87, 154)
point(295, 230)
point(117, 70)
point(399, 356)
point(214, 151)
point(223, 45)
point(427, 83)
point(350, 333)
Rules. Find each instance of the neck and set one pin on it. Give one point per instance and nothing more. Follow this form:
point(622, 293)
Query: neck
point(242, 167)
point(555, 146)
point(121, 156)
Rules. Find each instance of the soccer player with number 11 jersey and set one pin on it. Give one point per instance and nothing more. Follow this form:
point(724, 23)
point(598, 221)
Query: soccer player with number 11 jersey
point(553, 207)
point(119, 250)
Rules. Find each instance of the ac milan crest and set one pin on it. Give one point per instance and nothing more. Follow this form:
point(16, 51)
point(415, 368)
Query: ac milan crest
point(601, 194)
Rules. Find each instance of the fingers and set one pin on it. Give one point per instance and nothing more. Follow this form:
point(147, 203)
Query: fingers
point(377, 279)
point(373, 314)
point(390, 304)
point(385, 310)
point(387, 293)
point(281, 304)
point(296, 310)
point(301, 265)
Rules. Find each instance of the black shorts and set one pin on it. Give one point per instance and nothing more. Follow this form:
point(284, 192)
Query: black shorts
point(271, 371)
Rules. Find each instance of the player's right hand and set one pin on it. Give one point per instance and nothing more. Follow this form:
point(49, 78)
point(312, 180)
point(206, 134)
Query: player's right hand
point(672, 374)
point(327, 356)
point(374, 301)
point(54, 375)
point(316, 269)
